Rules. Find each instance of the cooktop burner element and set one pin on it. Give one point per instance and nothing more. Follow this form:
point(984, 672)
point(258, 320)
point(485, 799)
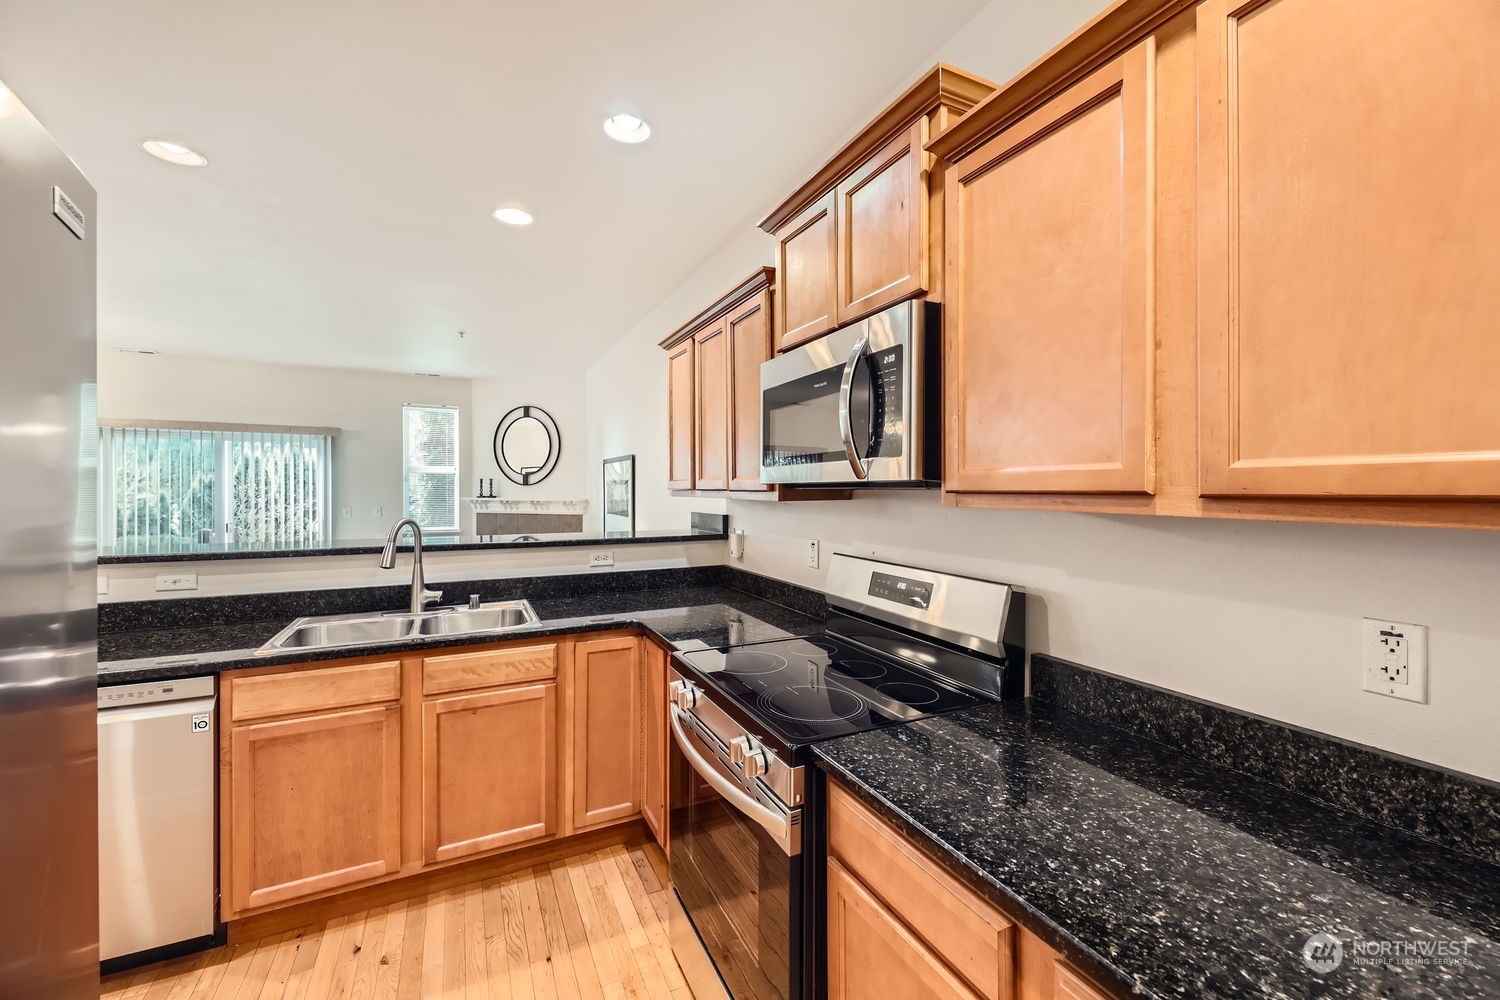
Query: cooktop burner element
point(806, 703)
point(806, 690)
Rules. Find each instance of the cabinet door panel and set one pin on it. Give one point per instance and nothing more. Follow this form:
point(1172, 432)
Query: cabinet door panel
point(680, 416)
point(1049, 334)
point(871, 954)
point(606, 736)
point(489, 771)
point(749, 328)
point(711, 451)
point(1347, 248)
point(315, 804)
point(806, 251)
point(654, 788)
point(882, 226)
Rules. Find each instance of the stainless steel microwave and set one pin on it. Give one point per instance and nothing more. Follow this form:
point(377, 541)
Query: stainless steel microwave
point(858, 407)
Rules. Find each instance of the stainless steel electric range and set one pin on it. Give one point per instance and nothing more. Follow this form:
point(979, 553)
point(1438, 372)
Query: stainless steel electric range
point(748, 845)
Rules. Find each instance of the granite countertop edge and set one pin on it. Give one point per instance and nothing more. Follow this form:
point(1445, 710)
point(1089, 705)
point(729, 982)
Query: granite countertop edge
point(786, 622)
point(1014, 905)
point(432, 546)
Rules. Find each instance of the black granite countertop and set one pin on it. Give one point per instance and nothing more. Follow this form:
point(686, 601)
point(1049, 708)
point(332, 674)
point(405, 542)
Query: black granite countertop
point(714, 616)
point(199, 551)
point(1164, 876)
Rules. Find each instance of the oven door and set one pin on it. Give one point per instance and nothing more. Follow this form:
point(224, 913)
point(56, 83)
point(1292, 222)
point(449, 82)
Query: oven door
point(736, 866)
point(840, 409)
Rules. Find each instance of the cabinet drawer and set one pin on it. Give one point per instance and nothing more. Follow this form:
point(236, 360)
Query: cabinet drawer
point(488, 668)
point(314, 690)
point(956, 923)
point(1069, 985)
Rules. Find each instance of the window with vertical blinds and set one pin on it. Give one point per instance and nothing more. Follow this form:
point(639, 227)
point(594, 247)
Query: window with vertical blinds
point(170, 486)
point(430, 466)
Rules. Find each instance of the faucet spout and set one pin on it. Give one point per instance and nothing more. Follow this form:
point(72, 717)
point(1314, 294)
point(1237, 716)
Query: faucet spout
point(420, 595)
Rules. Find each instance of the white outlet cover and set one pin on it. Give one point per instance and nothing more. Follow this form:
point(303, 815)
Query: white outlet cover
point(737, 543)
point(1395, 659)
point(103, 584)
point(602, 559)
point(177, 581)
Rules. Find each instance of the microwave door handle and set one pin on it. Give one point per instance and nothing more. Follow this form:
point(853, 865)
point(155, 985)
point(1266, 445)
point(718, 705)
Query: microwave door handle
point(769, 820)
point(846, 406)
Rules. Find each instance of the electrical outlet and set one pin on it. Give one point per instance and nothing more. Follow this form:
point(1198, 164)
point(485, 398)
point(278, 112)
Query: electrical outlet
point(103, 584)
point(812, 553)
point(601, 559)
point(1395, 659)
point(737, 543)
point(375, 511)
point(177, 581)
point(348, 512)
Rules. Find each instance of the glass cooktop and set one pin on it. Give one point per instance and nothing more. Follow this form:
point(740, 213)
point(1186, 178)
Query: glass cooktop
point(817, 688)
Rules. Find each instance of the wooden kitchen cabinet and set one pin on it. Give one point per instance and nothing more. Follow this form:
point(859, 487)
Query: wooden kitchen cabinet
point(899, 924)
point(1347, 249)
point(681, 415)
point(713, 376)
point(711, 407)
point(314, 804)
point(1048, 363)
point(489, 770)
point(862, 233)
point(1269, 228)
point(605, 744)
point(872, 954)
point(654, 791)
point(807, 260)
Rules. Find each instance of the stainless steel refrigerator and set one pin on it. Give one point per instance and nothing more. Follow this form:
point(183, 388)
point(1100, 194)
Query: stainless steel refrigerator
point(49, 897)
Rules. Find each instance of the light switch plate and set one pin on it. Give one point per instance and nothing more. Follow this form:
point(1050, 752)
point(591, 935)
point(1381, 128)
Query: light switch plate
point(1395, 659)
point(103, 584)
point(812, 553)
point(737, 543)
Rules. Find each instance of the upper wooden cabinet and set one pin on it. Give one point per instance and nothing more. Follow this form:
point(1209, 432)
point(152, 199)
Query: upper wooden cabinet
point(1348, 241)
point(682, 374)
point(1231, 259)
point(863, 232)
point(713, 376)
point(1048, 368)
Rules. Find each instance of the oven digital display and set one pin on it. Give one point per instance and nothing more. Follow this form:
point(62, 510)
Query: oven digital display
point(901, 590)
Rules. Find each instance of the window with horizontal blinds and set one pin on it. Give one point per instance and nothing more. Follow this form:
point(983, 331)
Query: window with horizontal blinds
point(169, 487)
point(429, 480)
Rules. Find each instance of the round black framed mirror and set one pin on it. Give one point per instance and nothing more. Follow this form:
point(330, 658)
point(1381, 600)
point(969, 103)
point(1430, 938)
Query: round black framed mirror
point(527, 445)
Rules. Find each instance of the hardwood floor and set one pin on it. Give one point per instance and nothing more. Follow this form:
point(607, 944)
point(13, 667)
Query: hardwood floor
point(589, 926)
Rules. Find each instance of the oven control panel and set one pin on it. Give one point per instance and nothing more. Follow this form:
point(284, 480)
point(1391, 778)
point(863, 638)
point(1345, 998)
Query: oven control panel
point(902, 590)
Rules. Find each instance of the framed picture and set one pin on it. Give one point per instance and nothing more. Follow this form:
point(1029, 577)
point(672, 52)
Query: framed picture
point(619, 495)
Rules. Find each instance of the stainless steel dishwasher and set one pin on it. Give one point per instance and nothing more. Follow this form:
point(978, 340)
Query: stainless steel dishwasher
point(157, 757)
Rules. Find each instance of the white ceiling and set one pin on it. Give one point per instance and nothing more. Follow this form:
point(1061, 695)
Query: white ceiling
point(358, 148)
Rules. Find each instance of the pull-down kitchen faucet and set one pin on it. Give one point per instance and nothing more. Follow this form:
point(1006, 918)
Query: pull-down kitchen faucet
point(420, 595)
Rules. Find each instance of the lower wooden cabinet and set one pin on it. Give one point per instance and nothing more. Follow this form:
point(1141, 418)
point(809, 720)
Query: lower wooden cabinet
point(314, 804)
point(900, 925)
point(654, 785)
point(606, 731)
point(872, 954)
point(489, 771)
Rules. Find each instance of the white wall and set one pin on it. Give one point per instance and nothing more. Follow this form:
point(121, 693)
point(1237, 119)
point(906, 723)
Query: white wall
point(561, 395)
point(1259, 616)
point(364, 405)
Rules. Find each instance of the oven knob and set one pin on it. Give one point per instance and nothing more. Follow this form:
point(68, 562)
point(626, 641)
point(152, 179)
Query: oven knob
point(750, 757)
point(684, 695)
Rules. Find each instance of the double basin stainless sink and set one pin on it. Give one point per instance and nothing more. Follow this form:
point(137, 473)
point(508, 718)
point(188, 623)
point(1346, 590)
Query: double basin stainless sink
point(394, 626)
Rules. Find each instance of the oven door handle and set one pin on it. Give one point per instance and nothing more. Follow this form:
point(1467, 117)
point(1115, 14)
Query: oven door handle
point(846, 407)
point(778, 826)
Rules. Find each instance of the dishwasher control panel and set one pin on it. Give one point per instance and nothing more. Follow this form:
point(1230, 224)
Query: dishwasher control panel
point(125, 695)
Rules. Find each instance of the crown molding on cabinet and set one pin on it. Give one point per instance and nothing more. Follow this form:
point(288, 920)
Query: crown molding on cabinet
point(760, 279)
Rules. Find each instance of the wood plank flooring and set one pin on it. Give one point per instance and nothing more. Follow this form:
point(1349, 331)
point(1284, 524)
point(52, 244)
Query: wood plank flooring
point(592, 927)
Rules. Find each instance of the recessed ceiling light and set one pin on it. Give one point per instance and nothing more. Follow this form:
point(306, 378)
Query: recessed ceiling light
point(513, 216)
point(174, 152)
point(627, 128)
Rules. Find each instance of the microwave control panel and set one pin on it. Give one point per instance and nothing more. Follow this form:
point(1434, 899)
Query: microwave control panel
point(886, 401)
